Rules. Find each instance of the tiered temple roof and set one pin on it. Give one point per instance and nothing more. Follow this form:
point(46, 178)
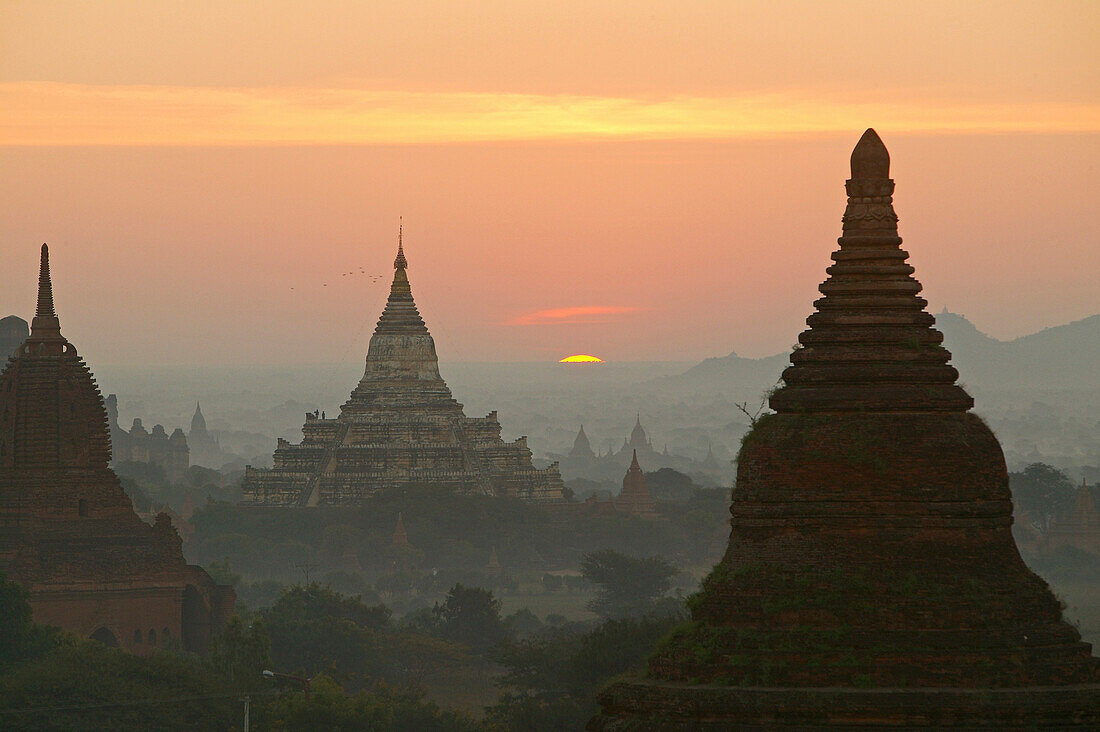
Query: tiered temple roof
point(871, 578)
point(68, 531)
point(400, 427)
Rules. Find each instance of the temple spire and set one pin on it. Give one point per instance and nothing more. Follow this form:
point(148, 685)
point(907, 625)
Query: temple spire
point(45, 287)
point(45, 326)
point(400, 262)
point(871, 345)
point(400, 314)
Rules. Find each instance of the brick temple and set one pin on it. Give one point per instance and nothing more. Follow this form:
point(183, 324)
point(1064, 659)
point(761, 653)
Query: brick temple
point(871, 578)
point(400, 427)
point(68, 531)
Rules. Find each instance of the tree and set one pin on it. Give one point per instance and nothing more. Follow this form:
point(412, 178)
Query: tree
point(330, 708)
point(667, 484)
point(557, 677)
point(629, 587)
point(1042, 491)
point(88, 686)
point(21, 639)
point(470, 616)
point(240, 654)
point(314, 629)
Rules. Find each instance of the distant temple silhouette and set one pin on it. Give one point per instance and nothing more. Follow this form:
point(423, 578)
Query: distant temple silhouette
point(68, 531)
point(583, 462)
point(1078, 526)
point(13, 331)
point(205, 448)
point(141, 446)
point(401, 427)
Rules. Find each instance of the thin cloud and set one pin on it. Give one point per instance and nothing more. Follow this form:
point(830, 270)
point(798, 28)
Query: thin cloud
point(562, 316)
point(51, 113)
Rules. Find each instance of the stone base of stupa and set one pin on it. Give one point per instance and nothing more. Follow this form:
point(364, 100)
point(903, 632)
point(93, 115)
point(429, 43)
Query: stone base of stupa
point(656, 705)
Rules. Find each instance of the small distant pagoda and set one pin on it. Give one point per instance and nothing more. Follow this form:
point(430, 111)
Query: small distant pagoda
point(635, 498)
point(1079, 526)
point(871, 579)
point(400, 428)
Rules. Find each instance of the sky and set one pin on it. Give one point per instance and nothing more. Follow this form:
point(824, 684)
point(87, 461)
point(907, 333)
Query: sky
point(221, 183)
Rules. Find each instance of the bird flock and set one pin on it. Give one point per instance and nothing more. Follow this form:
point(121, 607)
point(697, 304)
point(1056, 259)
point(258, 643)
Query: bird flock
point(374, 278)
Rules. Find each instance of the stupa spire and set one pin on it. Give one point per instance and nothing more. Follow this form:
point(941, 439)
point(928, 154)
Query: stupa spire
point(399, 261)
point(45, 326)
point(45, 286)
point(400, 315)
point(871, 345)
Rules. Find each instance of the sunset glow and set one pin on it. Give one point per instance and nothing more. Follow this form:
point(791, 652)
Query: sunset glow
point(581, 358)
point(572, 315)
point(39, 113)
point(663, 188)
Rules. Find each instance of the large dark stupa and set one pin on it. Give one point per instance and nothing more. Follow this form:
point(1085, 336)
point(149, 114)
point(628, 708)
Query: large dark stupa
point(68, 531)
point(871, 578)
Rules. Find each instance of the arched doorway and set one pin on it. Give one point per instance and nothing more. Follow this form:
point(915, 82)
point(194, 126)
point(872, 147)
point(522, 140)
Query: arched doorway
point(106, 637)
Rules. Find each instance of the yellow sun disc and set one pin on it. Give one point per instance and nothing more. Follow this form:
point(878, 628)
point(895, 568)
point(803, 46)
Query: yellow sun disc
point(581, 358)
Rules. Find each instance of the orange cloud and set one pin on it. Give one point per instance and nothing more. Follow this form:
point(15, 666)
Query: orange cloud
point(50, 113)
point(556, 316)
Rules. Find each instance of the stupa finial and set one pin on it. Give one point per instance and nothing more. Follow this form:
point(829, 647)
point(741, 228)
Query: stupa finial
point(45, 287)
point(45, 326)
point(400, 262)
point(870, 158)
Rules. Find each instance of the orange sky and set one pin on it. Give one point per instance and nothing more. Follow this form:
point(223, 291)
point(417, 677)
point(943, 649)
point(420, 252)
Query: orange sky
point(629, 179)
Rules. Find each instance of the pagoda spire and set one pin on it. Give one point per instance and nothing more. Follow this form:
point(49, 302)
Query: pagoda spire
point(45, 286)
point(871, 345)
point(400, 314)
point(45, 326)
point(399, 261)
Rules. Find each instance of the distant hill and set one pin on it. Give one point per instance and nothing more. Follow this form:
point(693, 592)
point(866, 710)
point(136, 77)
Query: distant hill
point(1065, 356)
point(745, 377)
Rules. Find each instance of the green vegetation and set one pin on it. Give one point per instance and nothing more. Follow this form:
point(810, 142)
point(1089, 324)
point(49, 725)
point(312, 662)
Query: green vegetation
point(365, 670)
point(1042, 491)
point(551, 681)
point(51, 680)
point(449, 533)
point(628, 587)
point(149, 487)
point(351, 549)
point(470, 616)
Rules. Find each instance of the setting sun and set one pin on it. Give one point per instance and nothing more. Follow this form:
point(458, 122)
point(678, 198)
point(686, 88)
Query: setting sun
point(581, 358)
